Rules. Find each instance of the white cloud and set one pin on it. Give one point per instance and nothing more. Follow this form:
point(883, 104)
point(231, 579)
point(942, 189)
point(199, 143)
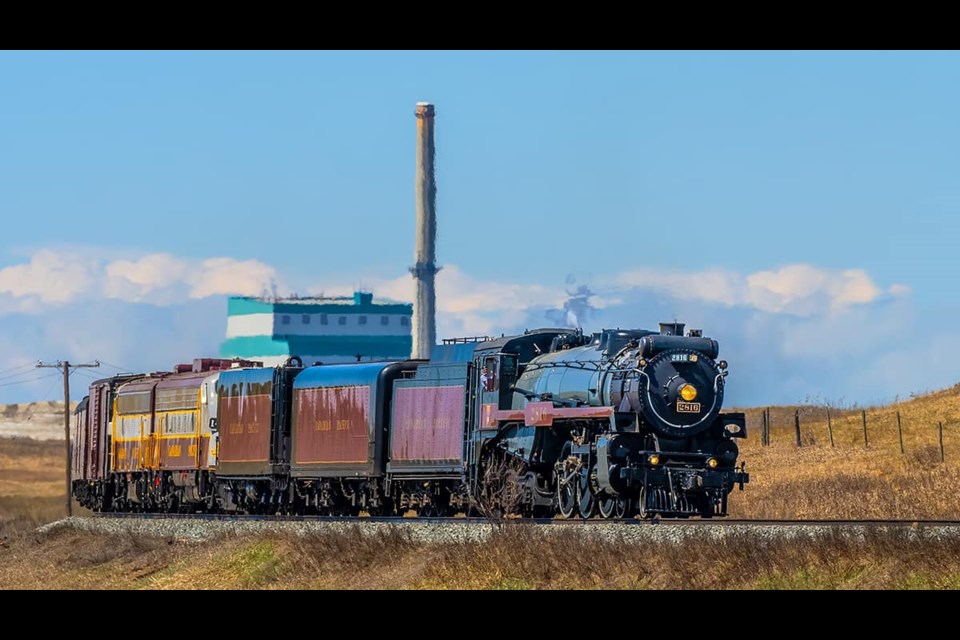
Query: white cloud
point(798, 289)
point(55, 278)
point(789, 333)
point(137, 280)
point(466, 305)
point(50, 277)
point(223, 276)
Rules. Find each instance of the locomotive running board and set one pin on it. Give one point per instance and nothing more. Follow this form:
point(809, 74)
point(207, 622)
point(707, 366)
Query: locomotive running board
point(540, 414)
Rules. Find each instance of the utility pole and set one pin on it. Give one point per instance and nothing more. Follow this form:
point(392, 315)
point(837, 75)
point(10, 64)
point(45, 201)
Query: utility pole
point(64, 368)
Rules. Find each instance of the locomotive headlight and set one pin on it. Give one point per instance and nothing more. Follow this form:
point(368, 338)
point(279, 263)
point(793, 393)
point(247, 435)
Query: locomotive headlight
point(654, 459)
point(712, 463)
point(688, 392)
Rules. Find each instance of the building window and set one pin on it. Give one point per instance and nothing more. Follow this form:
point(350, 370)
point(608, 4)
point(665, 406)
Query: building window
point(384, 320)
point(404, 321)
point(363, 320)
point(285, 320)
point(306, 319)
point(342, 320)
point(323, 318)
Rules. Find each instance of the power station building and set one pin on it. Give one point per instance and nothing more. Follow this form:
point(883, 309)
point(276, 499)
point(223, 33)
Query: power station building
point(351, 329)
point(328, 330)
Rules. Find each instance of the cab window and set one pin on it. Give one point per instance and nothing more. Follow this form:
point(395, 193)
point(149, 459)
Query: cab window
point(488, 375)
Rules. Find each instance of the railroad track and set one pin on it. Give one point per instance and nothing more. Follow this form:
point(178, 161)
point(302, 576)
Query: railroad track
point(535, 521)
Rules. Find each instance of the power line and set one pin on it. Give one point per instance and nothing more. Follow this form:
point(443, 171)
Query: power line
point(85, 374)
point(16, 371)
point(64, 368)
point(28, 381)
point(117, 367)
point(17, 377)
point(46, 394)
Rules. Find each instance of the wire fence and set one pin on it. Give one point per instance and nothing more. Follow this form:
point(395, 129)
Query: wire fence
point(883, 429)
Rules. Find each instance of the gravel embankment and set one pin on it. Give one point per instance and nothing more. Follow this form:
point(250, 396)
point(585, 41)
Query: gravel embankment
point(196, 530)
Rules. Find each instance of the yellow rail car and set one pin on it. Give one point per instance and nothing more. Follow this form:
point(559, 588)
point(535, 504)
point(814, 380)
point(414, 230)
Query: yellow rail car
point(182, 443)
point(132, 435)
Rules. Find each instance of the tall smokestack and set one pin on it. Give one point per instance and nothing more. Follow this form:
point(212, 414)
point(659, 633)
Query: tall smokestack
point(425, 269)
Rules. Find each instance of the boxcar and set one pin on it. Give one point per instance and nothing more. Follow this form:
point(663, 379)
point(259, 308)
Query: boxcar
point(92, 442)
point(250, 402)
point(341, 418)
point(429, 416)
point(253, 427)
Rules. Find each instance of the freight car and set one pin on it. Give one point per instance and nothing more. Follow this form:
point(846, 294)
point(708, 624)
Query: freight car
point(548, 423)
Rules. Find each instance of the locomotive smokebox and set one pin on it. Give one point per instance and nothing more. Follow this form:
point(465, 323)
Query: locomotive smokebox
point(425, 269)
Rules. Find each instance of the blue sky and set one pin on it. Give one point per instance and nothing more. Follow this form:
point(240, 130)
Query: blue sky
point(801, 207)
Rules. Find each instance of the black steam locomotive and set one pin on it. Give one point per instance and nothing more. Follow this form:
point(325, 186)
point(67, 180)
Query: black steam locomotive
point(621, 422)
point(549, 423)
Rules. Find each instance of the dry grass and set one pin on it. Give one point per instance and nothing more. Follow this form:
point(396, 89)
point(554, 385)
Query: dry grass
point(518, 557)
point(848, 481)
point(31, 483)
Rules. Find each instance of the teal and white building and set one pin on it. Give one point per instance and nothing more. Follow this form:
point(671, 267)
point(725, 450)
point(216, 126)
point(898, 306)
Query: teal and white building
point(328, 330)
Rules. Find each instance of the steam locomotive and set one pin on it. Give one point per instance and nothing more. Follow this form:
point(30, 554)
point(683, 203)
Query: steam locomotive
point(552, 422)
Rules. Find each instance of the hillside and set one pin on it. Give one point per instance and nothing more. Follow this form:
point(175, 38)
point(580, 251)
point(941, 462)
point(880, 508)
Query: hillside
point(35, 420)
point(851, 479)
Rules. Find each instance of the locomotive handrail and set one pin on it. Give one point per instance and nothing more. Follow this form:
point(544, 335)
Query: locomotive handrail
point(529, 395)
point(545, 397)
point(468, 339)
point(581, 365)
point(717, 381)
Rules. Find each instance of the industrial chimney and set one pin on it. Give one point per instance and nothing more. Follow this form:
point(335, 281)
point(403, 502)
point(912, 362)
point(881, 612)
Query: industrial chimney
point(425, 269)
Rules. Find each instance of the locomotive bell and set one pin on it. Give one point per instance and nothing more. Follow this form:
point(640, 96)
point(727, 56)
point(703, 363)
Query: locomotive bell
point(672, 328)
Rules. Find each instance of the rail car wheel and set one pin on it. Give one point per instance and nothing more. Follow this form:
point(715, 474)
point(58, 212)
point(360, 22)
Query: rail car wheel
point(642, 512)
point(566, 484)
point(607, 505)
point(566, 496)
point(623, 507)
point(586, 501)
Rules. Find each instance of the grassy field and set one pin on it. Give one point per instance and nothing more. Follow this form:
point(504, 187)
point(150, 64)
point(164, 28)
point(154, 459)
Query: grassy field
point(516, 558)
point(31, 483)
point(848, 480)
point(815, 481)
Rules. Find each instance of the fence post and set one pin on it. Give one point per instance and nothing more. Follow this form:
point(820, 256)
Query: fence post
point(766, 427)
point(830, 427)
point(941, 440)
point(796, 426)
point(863, 414)
point(900, 432)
